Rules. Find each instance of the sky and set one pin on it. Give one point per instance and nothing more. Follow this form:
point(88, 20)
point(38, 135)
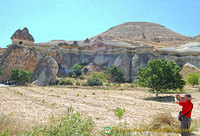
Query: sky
point(80, 19)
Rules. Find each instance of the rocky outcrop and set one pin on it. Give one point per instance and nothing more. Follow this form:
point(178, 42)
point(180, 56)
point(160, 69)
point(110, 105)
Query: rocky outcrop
point(188, 68)
point(123, 63)
point(140, 61)
point(23, 35)
point(192, 48)
point(20, 57)
point(45, 71)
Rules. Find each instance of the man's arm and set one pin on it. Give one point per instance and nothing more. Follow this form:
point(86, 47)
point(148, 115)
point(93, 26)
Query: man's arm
point(178, 96)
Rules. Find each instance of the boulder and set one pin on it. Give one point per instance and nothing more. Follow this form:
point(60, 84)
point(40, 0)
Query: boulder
point(20, 57)
point(45, 71)
point(140, 61)
point(123, 63)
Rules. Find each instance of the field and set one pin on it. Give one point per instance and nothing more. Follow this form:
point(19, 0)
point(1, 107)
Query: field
point(35, 106)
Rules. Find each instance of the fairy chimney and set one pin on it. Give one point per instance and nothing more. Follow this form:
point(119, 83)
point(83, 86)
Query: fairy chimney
point(22, 37)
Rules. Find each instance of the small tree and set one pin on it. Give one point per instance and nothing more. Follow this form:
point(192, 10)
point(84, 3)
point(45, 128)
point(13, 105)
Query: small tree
point(20, 76)
point(161, 75)
point(114, 74)
point(193, 79)
point(76, 70)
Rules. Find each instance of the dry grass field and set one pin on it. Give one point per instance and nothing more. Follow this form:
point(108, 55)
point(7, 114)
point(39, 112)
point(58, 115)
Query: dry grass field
point(25, 107)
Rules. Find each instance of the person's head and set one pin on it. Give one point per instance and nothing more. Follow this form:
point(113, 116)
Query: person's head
point(187, 96)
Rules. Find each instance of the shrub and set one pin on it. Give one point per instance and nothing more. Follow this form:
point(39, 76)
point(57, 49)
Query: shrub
point(93, 81)
point(116, 85)
point(20, 76)
point(0, 71)
point(65, 81)
point(114, 74)
point(81, 77)
point(193, 79)
point(161, 75)
point(76, 70)
point(78, 83)
point(119, 112)
point(84, 84)
point(98, 75)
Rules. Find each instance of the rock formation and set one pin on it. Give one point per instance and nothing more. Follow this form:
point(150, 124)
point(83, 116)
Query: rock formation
point(20, 57)
point(23, 35)
point(45, 71)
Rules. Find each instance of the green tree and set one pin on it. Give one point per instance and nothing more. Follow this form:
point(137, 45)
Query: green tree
point(114, 74)
point(76, 70)
point(20, 76)
point(193, 79)
point(161, 75)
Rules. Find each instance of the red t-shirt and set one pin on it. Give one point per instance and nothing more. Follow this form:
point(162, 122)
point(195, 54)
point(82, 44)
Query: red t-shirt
point(187, 106)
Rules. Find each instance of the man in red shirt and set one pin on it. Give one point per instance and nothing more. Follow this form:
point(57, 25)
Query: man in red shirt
point(187, 107)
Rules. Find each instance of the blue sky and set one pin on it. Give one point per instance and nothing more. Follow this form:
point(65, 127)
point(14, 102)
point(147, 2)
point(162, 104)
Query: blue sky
point(78, 19)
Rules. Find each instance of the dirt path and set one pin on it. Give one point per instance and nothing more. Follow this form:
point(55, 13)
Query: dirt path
point(35, 105)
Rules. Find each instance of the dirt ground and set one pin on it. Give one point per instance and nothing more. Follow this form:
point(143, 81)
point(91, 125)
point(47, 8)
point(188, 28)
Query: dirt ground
point(36, 105)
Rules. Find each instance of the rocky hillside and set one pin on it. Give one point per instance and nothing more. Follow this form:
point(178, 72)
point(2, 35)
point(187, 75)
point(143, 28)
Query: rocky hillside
point(144, 31)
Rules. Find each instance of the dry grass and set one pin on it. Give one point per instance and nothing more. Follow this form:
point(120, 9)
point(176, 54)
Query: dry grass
point(30, 110)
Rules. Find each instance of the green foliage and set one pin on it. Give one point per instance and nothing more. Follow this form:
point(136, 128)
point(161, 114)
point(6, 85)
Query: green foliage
point(160, 75)
point(114, 74)
point(71, 124)
point(64, 81)
point(84, 84)
point(20, 76)
point(93, 81)
point(0, 71)
point(98, 75)
point(119, 112)
point(116, 85)
point(76, 70)
point(193, 79)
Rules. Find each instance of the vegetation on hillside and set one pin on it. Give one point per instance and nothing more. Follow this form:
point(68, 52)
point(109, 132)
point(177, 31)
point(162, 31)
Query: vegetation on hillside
point(160, 75)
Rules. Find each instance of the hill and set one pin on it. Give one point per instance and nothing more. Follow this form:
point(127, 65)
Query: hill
point(146, 32)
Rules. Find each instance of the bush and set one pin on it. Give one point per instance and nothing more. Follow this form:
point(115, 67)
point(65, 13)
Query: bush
point(20, 76)
point(98, 75)
point(72, 124)
point(84, 84)
point(114, 74)
point(119, 112)
point(93, 81)
point(193, 79)
point(78, 83)
point(161, 75)
point(64, 81)
point(0, 71)
point(76, 70)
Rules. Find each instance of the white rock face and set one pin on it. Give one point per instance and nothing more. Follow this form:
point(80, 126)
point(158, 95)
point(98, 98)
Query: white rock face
point(192, 48)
